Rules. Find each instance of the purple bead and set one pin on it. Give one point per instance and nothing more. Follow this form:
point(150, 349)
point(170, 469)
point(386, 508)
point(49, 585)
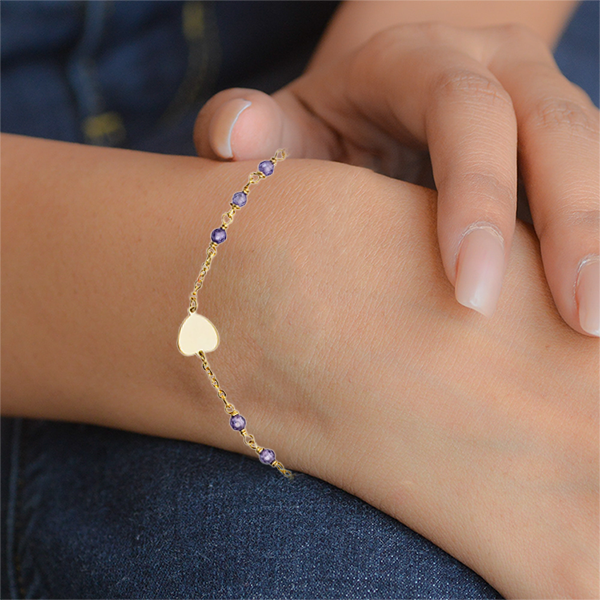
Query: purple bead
point(237, 422)
point(218, 235)
point(239, 198)
point(266, 456)
point(266, 167)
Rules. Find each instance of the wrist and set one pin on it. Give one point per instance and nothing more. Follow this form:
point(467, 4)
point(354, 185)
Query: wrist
point(98, 246)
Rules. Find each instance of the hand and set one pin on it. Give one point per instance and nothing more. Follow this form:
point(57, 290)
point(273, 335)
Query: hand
point(466, 95)
point(340, 344)
point(350, 358)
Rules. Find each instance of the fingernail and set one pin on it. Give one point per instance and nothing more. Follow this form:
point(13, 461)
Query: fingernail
point(588, 294)
point(223, 123)
point(480, 269)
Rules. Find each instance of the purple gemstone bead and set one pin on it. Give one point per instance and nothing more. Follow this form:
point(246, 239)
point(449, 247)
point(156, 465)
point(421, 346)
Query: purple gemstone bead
point(218, 235)
point(266, 456)
point(237, 422)
point(239, 198)
point(266, 167)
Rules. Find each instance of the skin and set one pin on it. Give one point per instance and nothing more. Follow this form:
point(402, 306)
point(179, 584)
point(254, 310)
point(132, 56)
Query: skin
point(341, 343)
point(488, 104)
point(355, 22)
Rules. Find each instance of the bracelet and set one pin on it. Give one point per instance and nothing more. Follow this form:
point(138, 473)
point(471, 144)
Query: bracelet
point(197, 335)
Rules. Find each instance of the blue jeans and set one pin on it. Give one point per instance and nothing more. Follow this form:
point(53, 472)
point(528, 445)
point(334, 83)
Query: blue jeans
point(90, 512)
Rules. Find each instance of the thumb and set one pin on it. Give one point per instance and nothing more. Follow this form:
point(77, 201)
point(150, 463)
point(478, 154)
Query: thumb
point(245, 124)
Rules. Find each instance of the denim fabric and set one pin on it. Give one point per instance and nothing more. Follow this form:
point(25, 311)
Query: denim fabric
point(577, 52)
point(89, 512)
point(100, 513)
point(123, 73)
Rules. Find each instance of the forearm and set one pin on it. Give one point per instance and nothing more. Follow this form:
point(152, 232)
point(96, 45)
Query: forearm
point(356, 21)
point(100, 251)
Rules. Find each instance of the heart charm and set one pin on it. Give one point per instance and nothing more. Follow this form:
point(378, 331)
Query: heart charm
point(196, 334)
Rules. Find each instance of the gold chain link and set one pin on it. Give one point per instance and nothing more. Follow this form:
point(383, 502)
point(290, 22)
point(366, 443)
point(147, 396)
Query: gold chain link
point(231, 410)
point(211, 252)
point(226, 221)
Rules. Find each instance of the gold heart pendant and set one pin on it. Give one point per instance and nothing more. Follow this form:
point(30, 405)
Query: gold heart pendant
point(196, 334)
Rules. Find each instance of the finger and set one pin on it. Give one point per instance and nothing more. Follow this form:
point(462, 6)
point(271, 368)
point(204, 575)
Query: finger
point(559, 158)
point(441, 96)
point(243, 124)
point(472, 136)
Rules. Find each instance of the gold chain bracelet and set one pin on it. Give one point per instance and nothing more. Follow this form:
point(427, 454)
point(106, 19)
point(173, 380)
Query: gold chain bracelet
point(197, 335)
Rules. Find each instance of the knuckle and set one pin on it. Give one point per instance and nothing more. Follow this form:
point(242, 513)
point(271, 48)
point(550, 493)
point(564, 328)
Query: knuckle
point(382, 47)
point(495, 195)
point(583, 220)
point(511, 36)
point(587, 219)
point(429, 32)
point(489, 185)
point(384, 37)
point(435, 31)
point(517, 32)
point(461, 84)
point(564, 116)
